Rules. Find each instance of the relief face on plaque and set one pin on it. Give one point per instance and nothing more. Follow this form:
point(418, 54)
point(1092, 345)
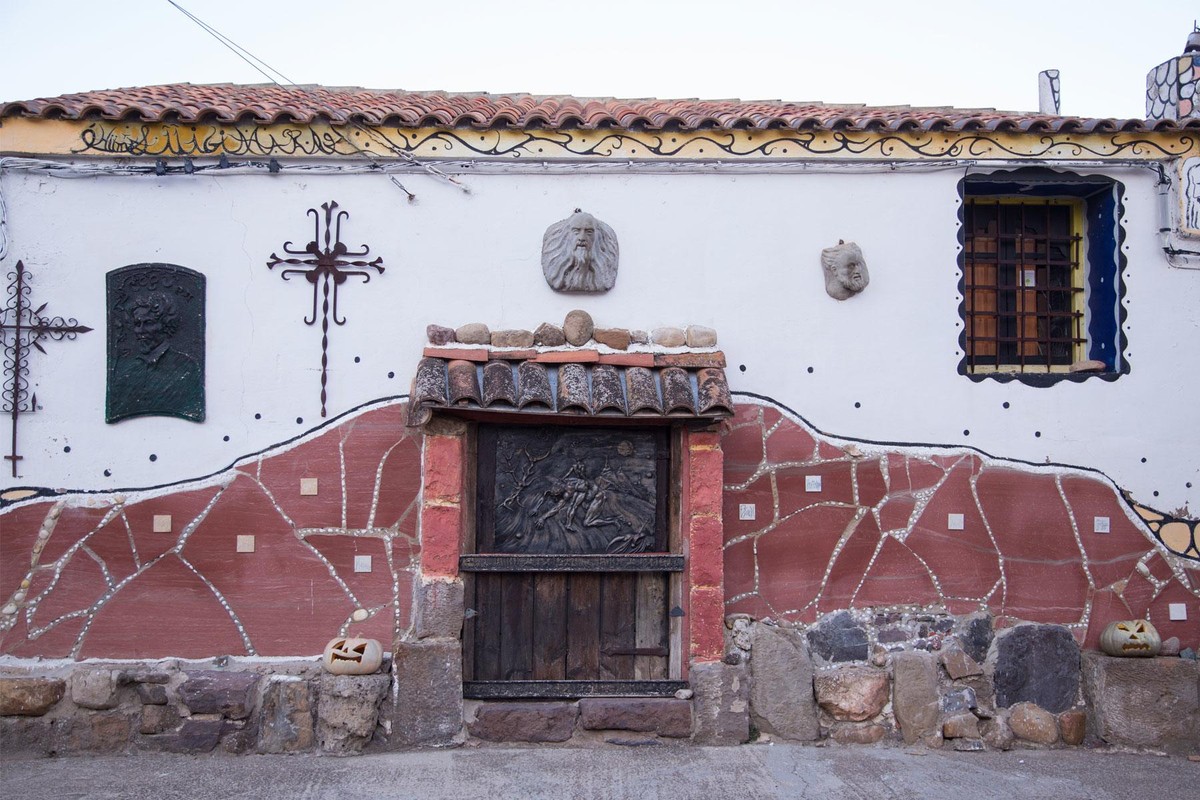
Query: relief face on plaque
point(576, 492)
point(155, 342)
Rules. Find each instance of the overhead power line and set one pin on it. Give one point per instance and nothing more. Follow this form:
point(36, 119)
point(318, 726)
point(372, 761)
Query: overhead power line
point(238, 50)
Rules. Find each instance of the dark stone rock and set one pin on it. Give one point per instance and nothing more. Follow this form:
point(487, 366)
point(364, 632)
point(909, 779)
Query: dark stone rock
point(194, 736)
point(512, 338)
point(438, 611)
point(348, 710)
point(144, 676)
point(230, 694)
point(439, 335)
point(26, 736)
point(239, 736)
point(888, 618)
point(892, 635)
point(915, 696)
point(152, 694)
point(616, 338)
point(547, 335)
point(578, 327)
point(473, 333)
point(969, 745)
point(781, 684)
point(1144, 702)
point(958, 700)
point(428, 709)
point(721, 703)
point(93, 733)
point(158, 719)
point(1037, 664)
point(287, 722)
point(1188, 653)
point(943, 625)
point(665, 716)
point(839, 638)
point(976, 637)
point(29, 697)
point(524, 722)
point(94, 688)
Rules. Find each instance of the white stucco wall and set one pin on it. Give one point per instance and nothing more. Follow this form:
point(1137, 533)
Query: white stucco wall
point(734, 250)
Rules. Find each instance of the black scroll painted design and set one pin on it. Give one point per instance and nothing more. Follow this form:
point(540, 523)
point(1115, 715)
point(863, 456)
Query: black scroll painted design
point(322, 262)
point(173, 140)
point(568, 491)
point(22, 328)
point(156, 352)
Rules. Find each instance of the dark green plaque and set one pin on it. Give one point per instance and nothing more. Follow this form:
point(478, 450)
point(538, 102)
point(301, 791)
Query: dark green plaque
point(155, 342)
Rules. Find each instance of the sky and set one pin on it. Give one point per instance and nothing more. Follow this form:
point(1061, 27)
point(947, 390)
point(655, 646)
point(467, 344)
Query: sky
point(970, 54)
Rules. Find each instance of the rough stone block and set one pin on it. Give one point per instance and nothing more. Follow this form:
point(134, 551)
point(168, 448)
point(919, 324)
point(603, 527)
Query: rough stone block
point(524, 722)
point(473, 333)
point(996, 733)
point(700, 336)
point(838, 638)
point(958, 700)
point(348, 710)
point(94, 688)
point(721, 702)
point(512, 338)
point(93, 733)
point(668, 337)
point(439, 609)
point(915, 696)
point(960, 665)
point(781, 684)
point(1037, 664)
point(230, 694)
point(1144, 702)
point(616, 338)
point(286, 722)
point(852, 694)
point(26, 736)
point(428, 709)
point(666, 716)
point(158, 719)
point(547, 335)
point(439, 335)
point(578, 327)
point(194, 736)
point(1033, 724)
point(859, 734)
point(29, 697)
point(961, 726)
point(976, 637)
point(152, 694)
point(1072, 726)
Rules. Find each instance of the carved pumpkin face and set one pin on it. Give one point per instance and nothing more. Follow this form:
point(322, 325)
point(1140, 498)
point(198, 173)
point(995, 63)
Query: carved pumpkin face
point(352, 656)
point(1135, 637)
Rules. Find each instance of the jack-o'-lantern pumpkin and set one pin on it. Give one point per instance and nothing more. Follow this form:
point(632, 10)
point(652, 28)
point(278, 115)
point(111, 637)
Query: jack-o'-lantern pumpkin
point(348, 655)
point(1135, 637)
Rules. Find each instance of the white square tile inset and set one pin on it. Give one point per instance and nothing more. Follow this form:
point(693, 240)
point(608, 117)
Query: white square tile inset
point(362, 563)
point(1177, 611)
point(308, 487)
point(162, 523)
point(812, 483)
point(245, 543)
point(746, 511)
point(1100, 525)
point(956, 522)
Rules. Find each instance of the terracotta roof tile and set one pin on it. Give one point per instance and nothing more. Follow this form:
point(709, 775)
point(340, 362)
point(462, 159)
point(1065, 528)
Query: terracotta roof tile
point(268, 103)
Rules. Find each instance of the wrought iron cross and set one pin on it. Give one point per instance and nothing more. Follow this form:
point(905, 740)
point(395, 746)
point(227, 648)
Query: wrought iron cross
point(325, 268)
point(20, 329)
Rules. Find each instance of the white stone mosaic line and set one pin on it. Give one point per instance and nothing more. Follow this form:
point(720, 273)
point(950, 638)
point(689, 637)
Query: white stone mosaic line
point(1083, 556)
point(345, 433)
point(776, 523)
point(344, 630)
point(379, 482)
point(358, 533)
point(987, 527)
point(241, 629)
point(413, 505)
point(937, 584)
point(333, 573)
point(108, 578)
point(137, 559)
point(866, 572)
point(275, 503)
point(837, 551)
point(174, 550)
point(35, 632)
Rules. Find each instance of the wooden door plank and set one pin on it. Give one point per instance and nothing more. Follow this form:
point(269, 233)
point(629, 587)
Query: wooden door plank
point(583, 626)
point(651, 625)
point(549, 626)
point(488, 621)
point(516, 635)
point(468, 629)
point(618, 618)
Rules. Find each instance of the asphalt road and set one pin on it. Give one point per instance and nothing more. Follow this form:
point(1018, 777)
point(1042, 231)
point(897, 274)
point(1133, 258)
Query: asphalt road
point(713, 773)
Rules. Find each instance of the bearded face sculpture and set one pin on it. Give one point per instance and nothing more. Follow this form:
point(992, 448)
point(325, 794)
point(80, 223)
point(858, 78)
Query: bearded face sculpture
point(579, 254)
point(845, 271)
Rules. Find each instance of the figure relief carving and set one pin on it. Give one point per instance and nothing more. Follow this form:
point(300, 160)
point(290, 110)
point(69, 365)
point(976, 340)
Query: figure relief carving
point(845, 270)
point(579, 254)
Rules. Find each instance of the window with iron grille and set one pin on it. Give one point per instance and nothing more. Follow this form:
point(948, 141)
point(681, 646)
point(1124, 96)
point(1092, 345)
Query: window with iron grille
point(1041, 277)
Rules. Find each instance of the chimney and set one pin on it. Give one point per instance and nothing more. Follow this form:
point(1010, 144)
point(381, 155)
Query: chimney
point(1171, 86)
point(1049, 96)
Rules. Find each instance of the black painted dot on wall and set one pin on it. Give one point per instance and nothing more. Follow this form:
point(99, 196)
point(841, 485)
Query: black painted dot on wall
point(858, 405)
point(1037, 434)
point(357, 359)
point(391, 375)
point(742, 367)
point(1156, 493)
point(810, 369)
point(1143, 459)
point(225, 438)
point(966, 432)
point(1005, 404)
point(1188, 484)
point(108, 473)
point(67, 449)
point(154, 457)
point(299, 420)
point(258, 416)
